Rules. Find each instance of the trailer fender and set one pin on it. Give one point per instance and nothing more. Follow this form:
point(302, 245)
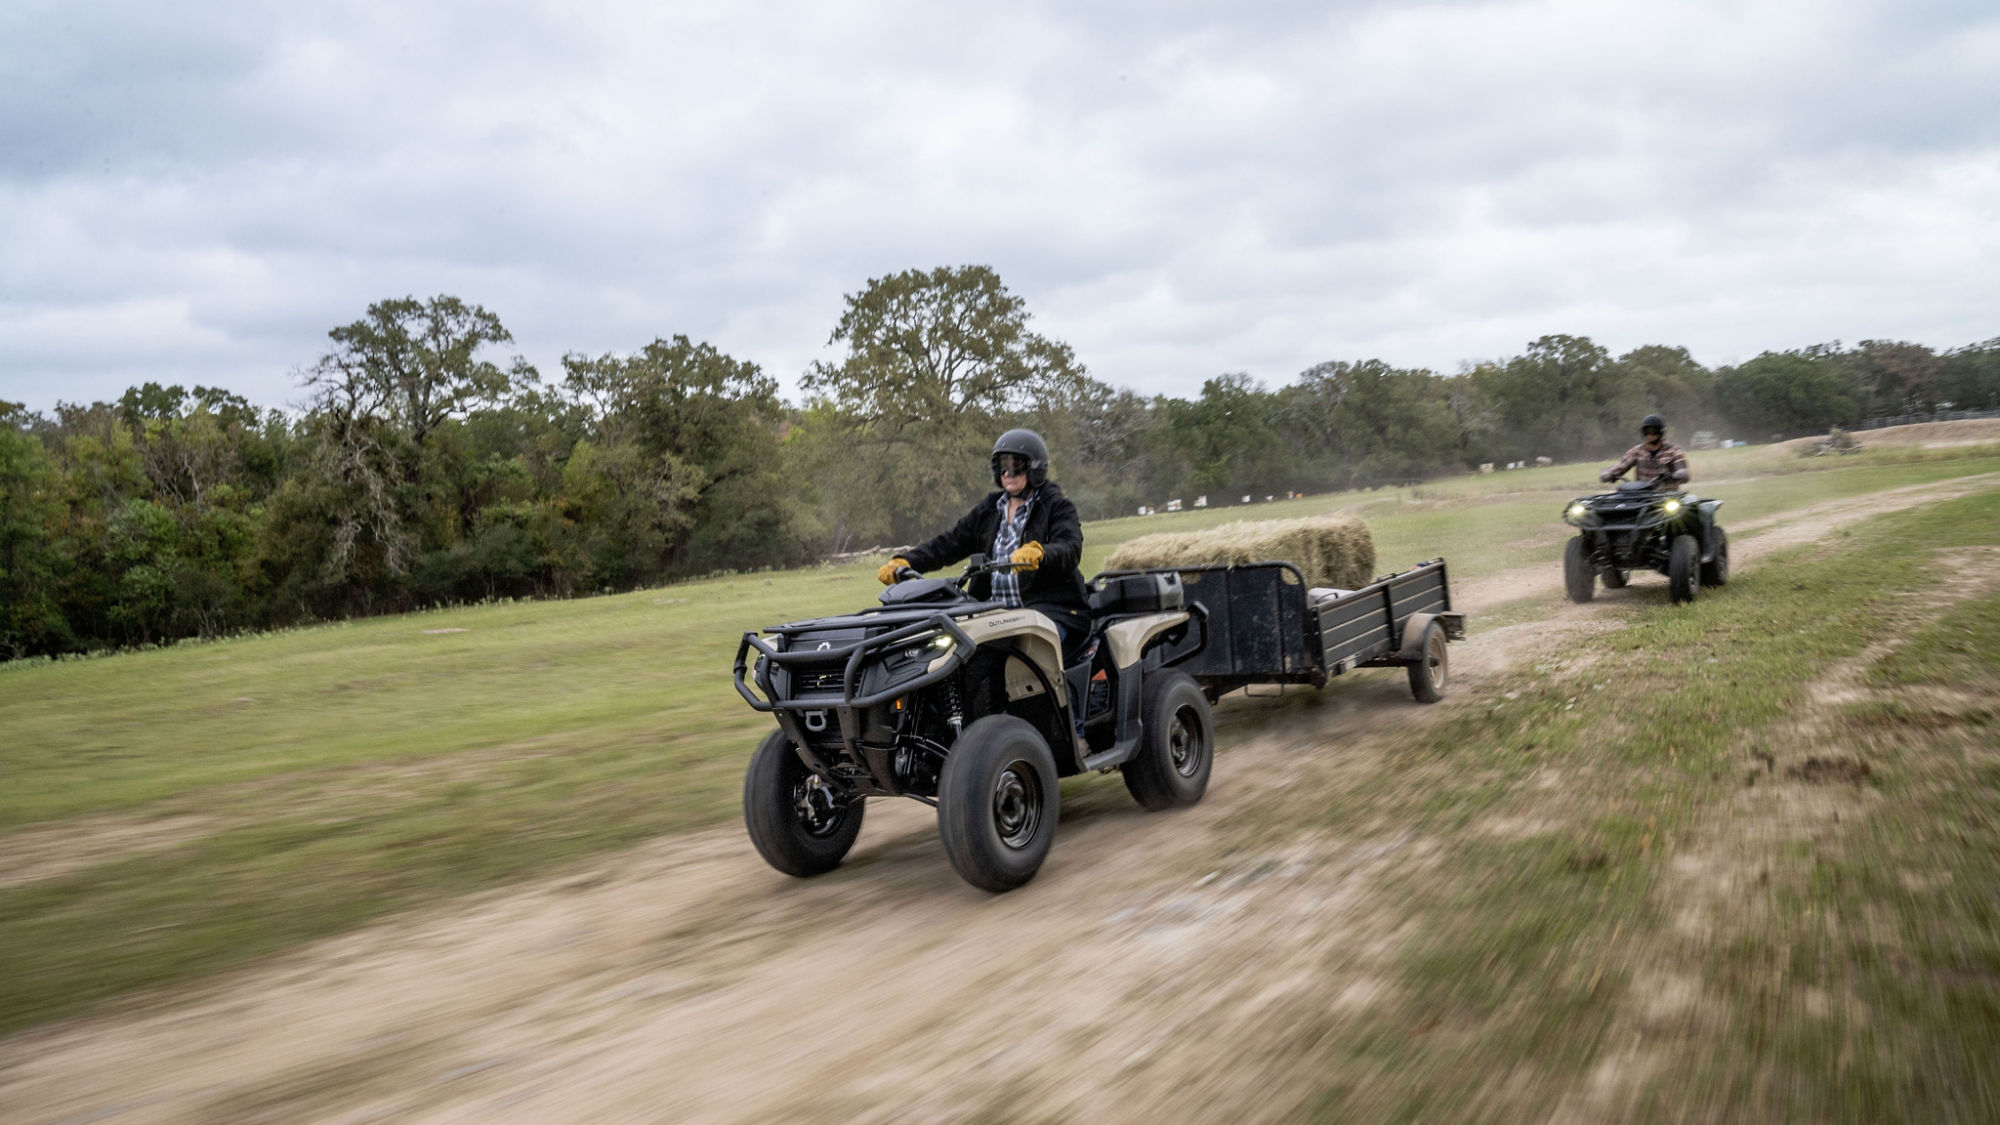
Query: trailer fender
point(1413, 635)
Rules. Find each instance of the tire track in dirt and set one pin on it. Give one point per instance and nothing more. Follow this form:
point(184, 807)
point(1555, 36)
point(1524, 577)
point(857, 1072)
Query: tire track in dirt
point(1149, 971)
point(1718, 890)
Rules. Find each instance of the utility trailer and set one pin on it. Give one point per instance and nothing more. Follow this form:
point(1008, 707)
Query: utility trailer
point(1261, 624)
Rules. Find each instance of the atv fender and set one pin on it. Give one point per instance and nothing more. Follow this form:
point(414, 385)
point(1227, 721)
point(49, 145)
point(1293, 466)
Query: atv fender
point(1707, 508)
point(1031, 635)
point(1128, 639)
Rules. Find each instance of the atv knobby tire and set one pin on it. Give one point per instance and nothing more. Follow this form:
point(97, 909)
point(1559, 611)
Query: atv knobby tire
point(1431, 667)
point(799, 826)
point(997, 803)
point(1177, 745)
point(1683, 569)
point(1715, 572)
point(1614, 579)
point(1578, 576)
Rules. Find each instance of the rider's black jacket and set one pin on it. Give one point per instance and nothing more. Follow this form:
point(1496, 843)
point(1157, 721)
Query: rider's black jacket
point(1056, 587)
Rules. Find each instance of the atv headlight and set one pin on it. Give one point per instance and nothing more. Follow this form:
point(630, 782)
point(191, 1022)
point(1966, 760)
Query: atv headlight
point(930, 646)
point(940, 649)
point(1671, 507)
point(1576, 510)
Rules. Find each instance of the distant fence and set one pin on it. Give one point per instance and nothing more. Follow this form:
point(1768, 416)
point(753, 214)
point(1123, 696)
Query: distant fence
point(1913, 419)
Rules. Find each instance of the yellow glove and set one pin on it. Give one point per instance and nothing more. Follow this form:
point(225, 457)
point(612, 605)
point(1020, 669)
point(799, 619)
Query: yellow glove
point(1027, 557)
point(887, 574)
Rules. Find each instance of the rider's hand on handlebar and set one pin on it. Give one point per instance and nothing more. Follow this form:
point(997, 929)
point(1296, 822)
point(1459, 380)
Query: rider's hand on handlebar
point(1027, 557)
point(892, 571)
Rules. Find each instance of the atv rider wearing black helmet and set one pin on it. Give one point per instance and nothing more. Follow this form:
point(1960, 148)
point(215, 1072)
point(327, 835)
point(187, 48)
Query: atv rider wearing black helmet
point(1653, 460)
point(1028, 521)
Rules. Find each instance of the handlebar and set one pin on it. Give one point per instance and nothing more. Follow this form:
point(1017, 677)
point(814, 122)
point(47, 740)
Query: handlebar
point(974, 567)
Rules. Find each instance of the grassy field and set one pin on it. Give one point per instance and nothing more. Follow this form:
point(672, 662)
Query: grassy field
point(1799, 919)
point(170, 813)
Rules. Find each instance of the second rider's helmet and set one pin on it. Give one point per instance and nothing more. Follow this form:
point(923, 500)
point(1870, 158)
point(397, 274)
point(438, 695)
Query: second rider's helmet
point(1653, 422)
point(1026, 444)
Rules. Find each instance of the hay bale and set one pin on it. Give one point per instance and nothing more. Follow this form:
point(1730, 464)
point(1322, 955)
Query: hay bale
point(1328, 550)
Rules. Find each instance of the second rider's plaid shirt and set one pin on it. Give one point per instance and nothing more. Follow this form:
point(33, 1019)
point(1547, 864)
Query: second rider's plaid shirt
point(1007, 540)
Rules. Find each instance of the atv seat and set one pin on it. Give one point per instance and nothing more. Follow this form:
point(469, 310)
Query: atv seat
point(1147, 591)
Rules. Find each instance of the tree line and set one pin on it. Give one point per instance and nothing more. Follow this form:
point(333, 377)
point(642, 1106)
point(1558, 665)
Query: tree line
point(425, 468)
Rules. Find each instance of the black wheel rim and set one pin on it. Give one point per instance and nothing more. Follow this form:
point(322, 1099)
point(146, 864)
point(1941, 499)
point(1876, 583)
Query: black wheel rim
point(1017, 804)
point(818, 809)
point(1184, 741)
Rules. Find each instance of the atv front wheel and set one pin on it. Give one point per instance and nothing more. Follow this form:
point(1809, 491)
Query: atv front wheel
point(1577, 573)
point(1684, 569)
point(1715, 572)
point(997, 803)
point(1177, 747)
point(801, 825)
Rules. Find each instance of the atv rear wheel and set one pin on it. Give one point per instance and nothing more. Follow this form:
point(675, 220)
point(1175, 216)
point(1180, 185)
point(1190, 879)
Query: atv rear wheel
point(998, 802)
point(1577, 573)
point(1715, 572)
point(800, 825)
point(1177, 747)
point(1614, 579)
point(1684, 569)
point(1429, 670)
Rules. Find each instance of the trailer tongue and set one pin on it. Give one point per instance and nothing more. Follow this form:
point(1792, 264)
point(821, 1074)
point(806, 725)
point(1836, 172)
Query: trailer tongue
point(1264, 625)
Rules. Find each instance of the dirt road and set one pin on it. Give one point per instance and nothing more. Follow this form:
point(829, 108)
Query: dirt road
point(1154, 968)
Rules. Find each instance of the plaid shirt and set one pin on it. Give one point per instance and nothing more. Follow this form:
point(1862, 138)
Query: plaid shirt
point(1647, 464)
point(1007, 540)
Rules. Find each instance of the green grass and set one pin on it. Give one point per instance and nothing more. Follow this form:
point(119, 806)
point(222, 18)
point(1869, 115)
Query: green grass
point(1838, 993)
point(333, 775)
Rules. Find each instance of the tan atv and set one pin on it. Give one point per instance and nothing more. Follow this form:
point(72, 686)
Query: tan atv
point(881, 703)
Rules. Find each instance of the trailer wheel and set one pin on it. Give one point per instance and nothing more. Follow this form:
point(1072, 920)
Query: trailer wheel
point(1683, 569)
point(1716, 571)
point(1431, 667)
point(997, 803)
point(1577, 573)
point(800, 826)
point(1177, 746)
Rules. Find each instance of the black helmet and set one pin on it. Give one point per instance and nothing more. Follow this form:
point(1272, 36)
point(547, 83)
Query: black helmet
point(1025, 443)
point(1653, 422)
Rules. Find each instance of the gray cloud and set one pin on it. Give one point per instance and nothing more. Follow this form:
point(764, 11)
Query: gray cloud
point(198, 196)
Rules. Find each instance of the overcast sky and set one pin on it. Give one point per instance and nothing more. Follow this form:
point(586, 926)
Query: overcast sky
point(196, 192)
